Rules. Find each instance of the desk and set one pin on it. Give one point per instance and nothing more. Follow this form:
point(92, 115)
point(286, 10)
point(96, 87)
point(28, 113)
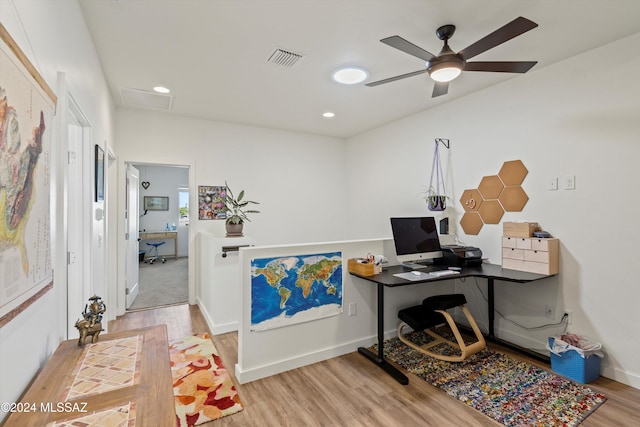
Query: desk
point(161, 235)
point(491, 272)
point(139, 379)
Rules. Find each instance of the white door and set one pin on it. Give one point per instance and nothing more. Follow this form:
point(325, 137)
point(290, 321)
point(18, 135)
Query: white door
point(132, 245)
point(77, 257)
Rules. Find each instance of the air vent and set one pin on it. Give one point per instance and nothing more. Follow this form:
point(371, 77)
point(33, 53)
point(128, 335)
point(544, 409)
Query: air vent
point(284, 58)
point(144, 98)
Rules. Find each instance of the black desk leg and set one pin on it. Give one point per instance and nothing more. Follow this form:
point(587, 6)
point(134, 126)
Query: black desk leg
point(492, 308)
point(378, 359)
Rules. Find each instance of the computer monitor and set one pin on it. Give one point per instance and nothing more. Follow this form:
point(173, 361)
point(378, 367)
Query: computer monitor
point(416, 240)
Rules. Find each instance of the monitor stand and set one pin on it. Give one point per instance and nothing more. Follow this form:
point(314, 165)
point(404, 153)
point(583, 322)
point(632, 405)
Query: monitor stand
point(415, 265)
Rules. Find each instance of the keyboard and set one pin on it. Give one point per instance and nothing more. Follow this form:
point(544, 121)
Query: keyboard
point(443, 273)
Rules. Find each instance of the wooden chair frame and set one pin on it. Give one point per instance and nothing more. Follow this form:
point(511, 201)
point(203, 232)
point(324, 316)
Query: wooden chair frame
point(465, 350)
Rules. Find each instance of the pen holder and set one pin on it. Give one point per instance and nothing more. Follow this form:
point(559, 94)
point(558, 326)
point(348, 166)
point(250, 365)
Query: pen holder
point(363, 267)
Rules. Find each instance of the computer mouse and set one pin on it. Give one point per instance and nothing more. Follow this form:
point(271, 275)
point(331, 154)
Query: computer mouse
point(416, 273)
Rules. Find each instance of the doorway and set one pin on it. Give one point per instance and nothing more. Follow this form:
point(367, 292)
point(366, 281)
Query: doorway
point(79, 253)
point(163, 236)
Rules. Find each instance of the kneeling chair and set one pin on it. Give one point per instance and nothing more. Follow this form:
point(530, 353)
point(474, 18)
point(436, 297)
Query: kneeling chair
point(432, 312)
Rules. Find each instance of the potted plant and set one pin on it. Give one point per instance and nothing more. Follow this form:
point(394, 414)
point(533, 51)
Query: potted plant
point(236, 210)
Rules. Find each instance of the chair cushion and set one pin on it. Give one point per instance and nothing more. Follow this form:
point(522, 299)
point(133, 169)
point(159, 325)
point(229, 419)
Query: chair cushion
point(444, 302)
point(420, 318)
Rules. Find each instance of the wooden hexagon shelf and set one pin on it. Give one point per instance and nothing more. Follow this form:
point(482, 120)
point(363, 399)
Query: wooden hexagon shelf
point(513, 172)
point(513, 198)
point(491, 211)
point(490, 187)
point(471, 222)
point(471, 200)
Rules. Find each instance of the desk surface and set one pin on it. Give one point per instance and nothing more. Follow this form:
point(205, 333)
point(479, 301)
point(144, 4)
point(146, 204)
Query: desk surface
point(51, 397)
point(484, 270)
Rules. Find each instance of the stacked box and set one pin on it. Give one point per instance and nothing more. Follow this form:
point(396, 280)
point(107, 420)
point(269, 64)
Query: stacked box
point(519, 229)
point(572, 365)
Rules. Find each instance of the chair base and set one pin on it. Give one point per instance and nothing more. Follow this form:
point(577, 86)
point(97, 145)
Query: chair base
point(466, 350)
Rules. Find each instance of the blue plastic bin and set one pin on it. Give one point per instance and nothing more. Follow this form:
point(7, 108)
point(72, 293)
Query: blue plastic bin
point(572, 365)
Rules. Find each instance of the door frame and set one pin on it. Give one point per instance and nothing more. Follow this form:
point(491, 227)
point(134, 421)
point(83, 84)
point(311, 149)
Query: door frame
point(191, 245)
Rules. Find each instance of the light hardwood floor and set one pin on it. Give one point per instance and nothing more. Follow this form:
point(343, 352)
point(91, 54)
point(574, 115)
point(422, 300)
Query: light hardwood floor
point(350, 391)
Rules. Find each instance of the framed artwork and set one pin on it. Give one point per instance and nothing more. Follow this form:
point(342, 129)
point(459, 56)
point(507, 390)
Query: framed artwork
point(99, 160)
point(156, 203)
point(27, 105)
point(211, 202)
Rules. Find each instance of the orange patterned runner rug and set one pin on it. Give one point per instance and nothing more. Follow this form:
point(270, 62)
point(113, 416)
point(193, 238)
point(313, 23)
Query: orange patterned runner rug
point(202, 386)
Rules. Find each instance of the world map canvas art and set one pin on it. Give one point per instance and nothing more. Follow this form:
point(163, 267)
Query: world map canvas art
point(295, 289)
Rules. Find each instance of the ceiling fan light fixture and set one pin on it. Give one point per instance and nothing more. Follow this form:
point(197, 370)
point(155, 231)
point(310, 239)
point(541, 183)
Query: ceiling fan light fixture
point(445, 72)
point(350, 75)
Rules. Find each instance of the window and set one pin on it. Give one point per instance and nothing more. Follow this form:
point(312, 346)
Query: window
point(183, 205)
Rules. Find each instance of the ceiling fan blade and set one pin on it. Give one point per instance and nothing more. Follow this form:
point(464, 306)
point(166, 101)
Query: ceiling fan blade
point(408, 47)
point(393, 79)
point(513, 29)
point(440, 88)
point(500, 66)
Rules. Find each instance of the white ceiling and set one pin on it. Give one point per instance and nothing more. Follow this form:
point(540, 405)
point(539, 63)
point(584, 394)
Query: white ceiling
point(213, 54)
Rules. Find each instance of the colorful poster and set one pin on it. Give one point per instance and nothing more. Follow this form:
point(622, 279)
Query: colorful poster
point(295, 289)
point(26, 113)
point(212, 202)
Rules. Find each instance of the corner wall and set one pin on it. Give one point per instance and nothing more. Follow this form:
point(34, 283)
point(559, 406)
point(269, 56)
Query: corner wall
point(564, 119)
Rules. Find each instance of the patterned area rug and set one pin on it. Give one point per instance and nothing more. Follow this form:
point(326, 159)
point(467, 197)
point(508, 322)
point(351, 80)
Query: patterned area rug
point(511, 392)
point(202, 386)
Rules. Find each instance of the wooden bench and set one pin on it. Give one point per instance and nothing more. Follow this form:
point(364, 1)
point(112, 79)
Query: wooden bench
point(130, 376)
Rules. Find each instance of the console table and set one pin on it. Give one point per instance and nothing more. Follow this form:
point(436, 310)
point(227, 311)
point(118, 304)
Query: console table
point(135, 383)
point(491, 272)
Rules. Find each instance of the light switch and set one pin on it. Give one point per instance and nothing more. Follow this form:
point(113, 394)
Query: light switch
point(569, 182)
point(553, 183)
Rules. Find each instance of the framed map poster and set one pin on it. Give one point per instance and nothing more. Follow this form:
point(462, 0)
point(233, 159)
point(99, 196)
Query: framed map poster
point(27, 106)
point(295, 289)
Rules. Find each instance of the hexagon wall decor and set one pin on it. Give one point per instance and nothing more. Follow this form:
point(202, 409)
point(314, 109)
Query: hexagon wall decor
point(495, 195)
point(471, 200)
point(491, 211)
point(490, 187)
point(513, 198)
point(471, 222)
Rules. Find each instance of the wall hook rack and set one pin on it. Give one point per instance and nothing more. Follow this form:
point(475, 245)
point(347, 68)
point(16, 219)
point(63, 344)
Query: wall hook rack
point(444, 142)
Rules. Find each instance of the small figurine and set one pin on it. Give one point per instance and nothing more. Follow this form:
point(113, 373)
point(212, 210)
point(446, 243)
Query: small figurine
point(91, 324)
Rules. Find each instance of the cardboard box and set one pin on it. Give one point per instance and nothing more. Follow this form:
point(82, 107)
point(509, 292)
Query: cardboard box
point(519, 229)
point(356, 266)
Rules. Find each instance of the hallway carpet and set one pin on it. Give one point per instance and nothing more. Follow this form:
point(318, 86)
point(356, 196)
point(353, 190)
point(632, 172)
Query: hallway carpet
point(162, 284)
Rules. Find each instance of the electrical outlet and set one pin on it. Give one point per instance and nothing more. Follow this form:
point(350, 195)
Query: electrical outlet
point(352, 309)
point(569, 317)
point(550, 312)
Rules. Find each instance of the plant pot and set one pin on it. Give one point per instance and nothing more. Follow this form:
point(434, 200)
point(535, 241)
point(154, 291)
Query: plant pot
point(234, 230)
point(437, 203)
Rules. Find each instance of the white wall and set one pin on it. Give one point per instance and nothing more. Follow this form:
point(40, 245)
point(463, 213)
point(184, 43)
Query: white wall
point(299, 179)
point(578, 117)
point(54, 37)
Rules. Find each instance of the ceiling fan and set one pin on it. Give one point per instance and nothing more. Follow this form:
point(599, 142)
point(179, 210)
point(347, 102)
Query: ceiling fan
point(448, 65)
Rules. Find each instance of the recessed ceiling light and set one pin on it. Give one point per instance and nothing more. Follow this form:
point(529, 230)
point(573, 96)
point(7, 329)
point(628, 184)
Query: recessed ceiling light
point(350, 75)
point(328, 114)
point(161, 89)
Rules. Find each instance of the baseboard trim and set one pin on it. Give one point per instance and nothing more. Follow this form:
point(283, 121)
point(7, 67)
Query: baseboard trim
point(216, 329)
point(246, 376)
